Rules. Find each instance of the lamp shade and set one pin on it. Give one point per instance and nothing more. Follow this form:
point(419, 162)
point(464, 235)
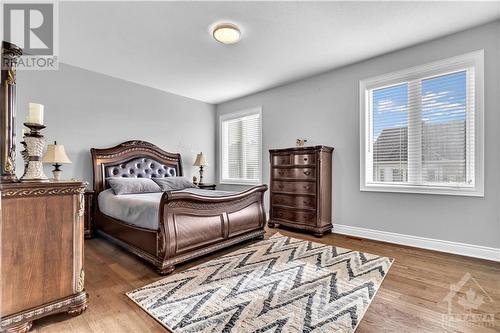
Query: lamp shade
point(200, 160)
point(56, 154)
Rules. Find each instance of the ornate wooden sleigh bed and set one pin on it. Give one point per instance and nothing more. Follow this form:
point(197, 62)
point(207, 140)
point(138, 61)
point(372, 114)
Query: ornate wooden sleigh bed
point(190, 225)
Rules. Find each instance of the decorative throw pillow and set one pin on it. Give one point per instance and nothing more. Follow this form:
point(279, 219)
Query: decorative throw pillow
point(132, 185)
point(174, 183)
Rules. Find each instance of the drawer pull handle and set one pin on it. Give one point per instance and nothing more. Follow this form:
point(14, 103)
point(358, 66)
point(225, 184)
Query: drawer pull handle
point(305, 159)
point(307, 172)
point(280, 186)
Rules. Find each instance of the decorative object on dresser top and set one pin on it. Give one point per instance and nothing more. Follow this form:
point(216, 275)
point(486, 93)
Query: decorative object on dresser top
point(300, 142)
point(35, 113)
point(301, 188)
point(167, 228)
point(281, 284)
point(201, 162)
point(41, 252)
point(9, 55)
point(56, 155)
point(34, 143)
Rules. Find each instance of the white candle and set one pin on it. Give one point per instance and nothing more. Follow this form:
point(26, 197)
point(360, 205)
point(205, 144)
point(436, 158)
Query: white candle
point(35, 113)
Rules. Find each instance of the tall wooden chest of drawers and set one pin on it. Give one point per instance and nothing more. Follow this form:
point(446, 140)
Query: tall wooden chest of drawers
point(301, 188)
point(41, 252)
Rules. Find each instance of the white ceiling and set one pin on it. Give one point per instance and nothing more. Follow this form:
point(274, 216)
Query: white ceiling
point(167, 45)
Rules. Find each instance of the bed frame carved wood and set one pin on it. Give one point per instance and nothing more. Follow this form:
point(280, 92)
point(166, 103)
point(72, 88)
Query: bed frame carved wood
point(190, 225)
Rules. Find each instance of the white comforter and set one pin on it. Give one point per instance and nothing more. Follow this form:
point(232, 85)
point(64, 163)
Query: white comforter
point(140, 209)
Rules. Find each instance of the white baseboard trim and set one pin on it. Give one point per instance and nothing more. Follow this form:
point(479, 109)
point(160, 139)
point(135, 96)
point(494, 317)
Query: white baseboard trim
point(469, 250)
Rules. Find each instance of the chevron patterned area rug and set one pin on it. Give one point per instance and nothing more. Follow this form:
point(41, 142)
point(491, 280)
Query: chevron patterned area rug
point(281, 284)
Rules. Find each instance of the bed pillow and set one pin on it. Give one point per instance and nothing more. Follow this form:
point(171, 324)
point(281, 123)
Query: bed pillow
point(174, 183)
point(121, 185)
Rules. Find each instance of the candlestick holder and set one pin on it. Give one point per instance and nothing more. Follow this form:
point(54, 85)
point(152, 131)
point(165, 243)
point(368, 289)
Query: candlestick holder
point(35, 142)
point(24, 154)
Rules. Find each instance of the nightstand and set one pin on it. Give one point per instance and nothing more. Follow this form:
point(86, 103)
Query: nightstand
point(207, 186)
point(88, 215)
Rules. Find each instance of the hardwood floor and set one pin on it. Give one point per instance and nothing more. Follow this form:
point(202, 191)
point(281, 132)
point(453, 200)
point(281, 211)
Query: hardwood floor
point(411, 298)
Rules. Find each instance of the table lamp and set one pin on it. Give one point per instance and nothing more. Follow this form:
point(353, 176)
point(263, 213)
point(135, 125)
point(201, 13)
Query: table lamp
point(56, 155)
point(201, 162)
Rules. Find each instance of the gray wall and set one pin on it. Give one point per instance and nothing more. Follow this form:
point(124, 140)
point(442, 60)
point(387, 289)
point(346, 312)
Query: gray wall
point(85, 109)
point(325, 109)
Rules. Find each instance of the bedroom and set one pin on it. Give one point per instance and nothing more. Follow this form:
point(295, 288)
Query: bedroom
point(149, 80)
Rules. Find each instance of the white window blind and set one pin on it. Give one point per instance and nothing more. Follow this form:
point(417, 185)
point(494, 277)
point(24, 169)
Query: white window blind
point(241, 147)
point(420, 128)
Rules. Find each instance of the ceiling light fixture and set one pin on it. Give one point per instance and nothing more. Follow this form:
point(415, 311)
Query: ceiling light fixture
point(226, 33)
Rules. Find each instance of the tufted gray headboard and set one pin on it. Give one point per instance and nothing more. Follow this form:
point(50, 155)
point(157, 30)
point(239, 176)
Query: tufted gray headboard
point(140, 167)
point(137, 159)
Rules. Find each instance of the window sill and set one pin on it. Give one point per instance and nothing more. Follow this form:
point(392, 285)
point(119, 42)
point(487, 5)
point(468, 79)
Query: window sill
point(436, 190)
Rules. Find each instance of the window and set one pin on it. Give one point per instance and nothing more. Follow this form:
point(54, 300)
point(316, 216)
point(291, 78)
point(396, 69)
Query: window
point(398, 175)
point(241, 147)
point(422, 129)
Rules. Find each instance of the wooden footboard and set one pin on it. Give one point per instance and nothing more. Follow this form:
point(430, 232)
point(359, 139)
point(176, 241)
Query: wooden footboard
point(192, 225)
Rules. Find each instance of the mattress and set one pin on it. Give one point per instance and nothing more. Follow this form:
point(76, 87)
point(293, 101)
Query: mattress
point(142, 209)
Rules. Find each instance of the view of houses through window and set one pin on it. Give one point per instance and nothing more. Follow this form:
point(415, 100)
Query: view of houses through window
point(419, 130)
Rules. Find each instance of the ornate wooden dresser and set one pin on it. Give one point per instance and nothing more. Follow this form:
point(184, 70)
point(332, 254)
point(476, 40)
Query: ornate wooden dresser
point(41, 252)
point(301, 188)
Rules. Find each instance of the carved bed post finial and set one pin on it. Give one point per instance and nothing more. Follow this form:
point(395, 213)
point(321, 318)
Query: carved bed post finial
point(9, 55)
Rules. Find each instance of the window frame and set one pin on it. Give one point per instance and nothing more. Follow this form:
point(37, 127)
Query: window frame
point(473, 59)
point(231, 116)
